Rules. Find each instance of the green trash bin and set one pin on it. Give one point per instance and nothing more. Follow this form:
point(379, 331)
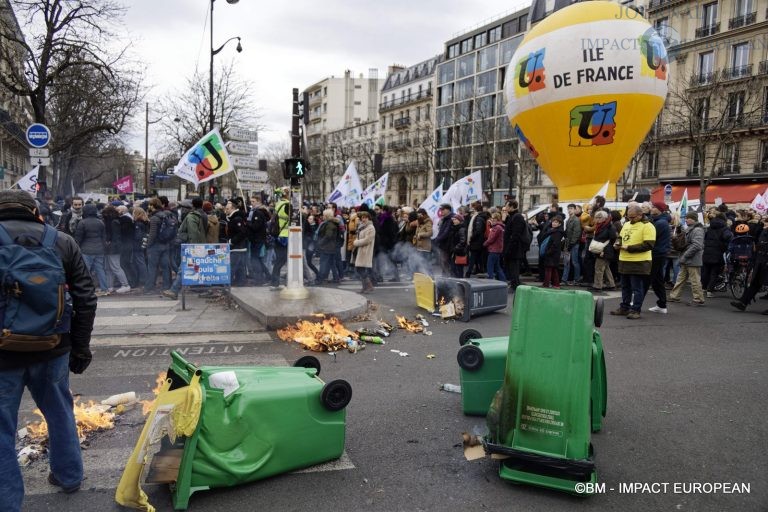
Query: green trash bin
point(599, 383)
point(541, 417)
point(481, 371)
point(257, 422)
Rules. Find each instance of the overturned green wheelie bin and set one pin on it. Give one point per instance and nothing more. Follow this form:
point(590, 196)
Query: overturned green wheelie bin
point(252, 423)
point(541, 418)
point(482, 363)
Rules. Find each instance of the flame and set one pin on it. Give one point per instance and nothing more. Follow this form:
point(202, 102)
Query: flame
point(441, 302)
point(328, 334)
point(147, 405)
point(409, 325)
point(91, 417)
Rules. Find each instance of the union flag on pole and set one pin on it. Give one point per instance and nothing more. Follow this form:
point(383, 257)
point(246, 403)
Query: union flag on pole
point(124, 185)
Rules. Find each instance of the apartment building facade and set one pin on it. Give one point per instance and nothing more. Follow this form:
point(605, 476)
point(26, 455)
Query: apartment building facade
point(472, 129)
point(15, 111)
point(336, 104)
point(407, 134)
point(714, 126)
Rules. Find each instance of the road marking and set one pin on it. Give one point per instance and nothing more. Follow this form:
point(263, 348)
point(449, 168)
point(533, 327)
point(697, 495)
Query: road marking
point(109, 321)
point(105, 340)
point(137, 304)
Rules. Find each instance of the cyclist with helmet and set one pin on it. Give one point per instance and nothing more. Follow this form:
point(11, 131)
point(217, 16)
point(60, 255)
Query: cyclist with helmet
point(760, 268)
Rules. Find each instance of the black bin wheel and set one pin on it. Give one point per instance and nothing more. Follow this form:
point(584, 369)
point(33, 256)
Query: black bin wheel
point(469, 334)
point(470, 358)
point(308, 362)
point(336, 395)
point(599, 306)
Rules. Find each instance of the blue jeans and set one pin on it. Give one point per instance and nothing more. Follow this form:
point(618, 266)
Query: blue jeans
point(633, 288)
point(575, 262)
point(494, 267)
point(95, 262)
point(157, 255)
point(48, 382)
point(328, 264)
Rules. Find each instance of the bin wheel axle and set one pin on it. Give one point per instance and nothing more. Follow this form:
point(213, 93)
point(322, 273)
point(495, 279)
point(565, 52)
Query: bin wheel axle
point(469, 334)
point(336, 395)
point(470, 358)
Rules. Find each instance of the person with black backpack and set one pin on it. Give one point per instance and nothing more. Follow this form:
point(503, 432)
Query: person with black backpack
point(43, 339)
point(258, 218)
point(161, 233)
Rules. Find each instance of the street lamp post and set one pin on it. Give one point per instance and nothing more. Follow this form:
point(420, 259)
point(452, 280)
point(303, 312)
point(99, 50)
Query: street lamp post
point(147, 122)
point(213, 53)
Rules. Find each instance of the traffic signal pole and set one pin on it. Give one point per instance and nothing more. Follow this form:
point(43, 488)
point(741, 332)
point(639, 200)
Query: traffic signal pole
point(294, 289)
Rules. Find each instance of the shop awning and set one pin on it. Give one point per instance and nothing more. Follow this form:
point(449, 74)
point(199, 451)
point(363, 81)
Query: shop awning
point(730, 193)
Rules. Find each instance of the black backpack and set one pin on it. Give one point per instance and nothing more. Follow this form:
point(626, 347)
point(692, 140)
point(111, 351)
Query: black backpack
point(168, 229)
point(527, 236)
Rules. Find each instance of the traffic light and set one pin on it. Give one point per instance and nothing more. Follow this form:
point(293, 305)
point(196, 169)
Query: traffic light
point(295, 168)
point(212, 191)
point(40, 187)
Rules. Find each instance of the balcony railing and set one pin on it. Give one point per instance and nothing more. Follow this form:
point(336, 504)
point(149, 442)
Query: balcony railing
point(408, 98)
point(692, 172)
point(657, 4)
point(761, 167)
point(403, 122)
point(762, 68)
point(649, 174)
point(743, 20)
point(737, 72)
point(708, 30)
point(703, 78)
point(729, 169)
point(399, 144)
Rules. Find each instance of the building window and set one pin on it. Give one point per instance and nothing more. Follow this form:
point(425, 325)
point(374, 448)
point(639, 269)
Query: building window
point(736, 107)
point(445, 95)
point(695, 163)
point(508, 48)
point(464, 111)
point(427, 112)
point(466, 46)
point(702, 112)
point(402, 190)
point(486, 83)
point(325, 91)
point(486, 58)
point(534, 198)
point(740, 60)
point(708, 20)
point(484, 107)
point(358, 103)
point(706, 67)
point(444, 116)
point(494, 34)
point(466, 65)
point(763, 164)
point(418, 114)
point(481, 40)
point(453, 51)
point(522, 23)
point(652, 165)
point(509, 29)
point(536, 175)
point(358, 86)
point(465, 89)
point(391, 120)
point(731, 158)
point(446, 72)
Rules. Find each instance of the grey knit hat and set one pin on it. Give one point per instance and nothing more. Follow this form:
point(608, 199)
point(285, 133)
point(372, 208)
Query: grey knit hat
point(16, 198)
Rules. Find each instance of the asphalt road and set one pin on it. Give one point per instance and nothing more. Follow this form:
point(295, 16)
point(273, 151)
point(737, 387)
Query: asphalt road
point(686, 404)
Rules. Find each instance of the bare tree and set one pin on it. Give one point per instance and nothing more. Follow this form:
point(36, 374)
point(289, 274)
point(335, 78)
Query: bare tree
point(708, 115)
point(62, 41)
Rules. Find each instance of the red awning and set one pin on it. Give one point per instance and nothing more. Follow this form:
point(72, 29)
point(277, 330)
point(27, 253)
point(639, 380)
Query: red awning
point(730, 193)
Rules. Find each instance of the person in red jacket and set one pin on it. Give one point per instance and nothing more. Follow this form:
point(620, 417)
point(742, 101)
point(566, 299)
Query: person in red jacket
point(495, 245)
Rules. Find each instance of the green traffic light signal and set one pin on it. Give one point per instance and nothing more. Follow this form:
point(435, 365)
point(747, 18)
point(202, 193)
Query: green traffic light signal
point(295, 168)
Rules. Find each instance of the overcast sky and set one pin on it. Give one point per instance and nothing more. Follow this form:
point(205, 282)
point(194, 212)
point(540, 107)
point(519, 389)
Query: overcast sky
point(293, 44)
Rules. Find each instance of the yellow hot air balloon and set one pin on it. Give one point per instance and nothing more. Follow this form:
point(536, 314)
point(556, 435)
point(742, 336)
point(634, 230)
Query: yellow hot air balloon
point(582, 91)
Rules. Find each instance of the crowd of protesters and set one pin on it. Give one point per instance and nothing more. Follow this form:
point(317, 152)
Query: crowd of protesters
point(639, 249)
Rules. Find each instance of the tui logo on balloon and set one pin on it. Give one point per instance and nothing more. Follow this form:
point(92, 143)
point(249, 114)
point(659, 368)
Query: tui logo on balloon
point(584, 88)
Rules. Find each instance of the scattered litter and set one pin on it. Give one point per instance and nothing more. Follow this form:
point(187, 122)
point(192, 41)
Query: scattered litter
point(376, 340)
point(423, 320)
point(385, 325)
point(391, 310)
point(333, 354)
point(451, 388)
point(430, 356)
point(22, 433)
point(28, 454)
point(428, 333)
point(436, 314)
point(403, 354)
point(353, 346)
point(122, 398)
point(473, 446)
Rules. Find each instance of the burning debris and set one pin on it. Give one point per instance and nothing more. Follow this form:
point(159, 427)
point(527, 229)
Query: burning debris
point(90, 418)
point(147, 405)
point(326, 335)
point(408, 325)
point(454, 307)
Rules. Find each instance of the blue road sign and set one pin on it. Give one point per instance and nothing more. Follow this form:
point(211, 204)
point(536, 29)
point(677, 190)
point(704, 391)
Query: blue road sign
point(38, 135)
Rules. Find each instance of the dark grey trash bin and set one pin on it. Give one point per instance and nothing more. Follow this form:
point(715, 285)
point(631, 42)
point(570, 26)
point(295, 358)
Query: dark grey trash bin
point(480, 296)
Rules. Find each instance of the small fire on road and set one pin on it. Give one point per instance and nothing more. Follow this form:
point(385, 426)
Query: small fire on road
point(326, 335)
